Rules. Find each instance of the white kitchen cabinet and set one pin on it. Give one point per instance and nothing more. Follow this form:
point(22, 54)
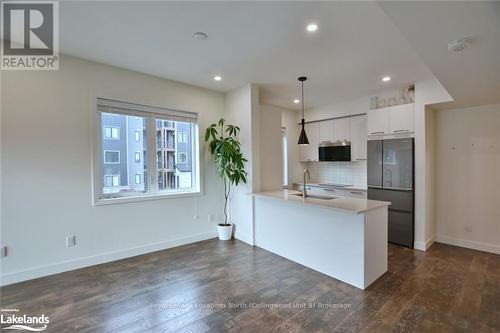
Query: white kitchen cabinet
point(335, 130)
point(326, 130)
point(358, 138)
point(342, 129)
point(309, 153)
point(401, 119)
point(378, 121)
point(397, 119)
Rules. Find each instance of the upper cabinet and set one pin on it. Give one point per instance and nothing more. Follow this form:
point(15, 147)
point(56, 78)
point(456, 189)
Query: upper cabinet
point(309, 153)
point(348, 128)
point(326, 130)
point(335, 130)
point(402, 118)
point(358, 138)
point(342, 129)
point(391, 120)
point(378, 121)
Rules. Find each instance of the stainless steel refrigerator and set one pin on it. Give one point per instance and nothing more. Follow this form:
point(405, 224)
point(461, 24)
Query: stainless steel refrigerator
point(391, 178)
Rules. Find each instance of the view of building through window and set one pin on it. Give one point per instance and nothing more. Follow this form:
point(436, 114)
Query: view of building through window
point(124, 149)
point(123, 165)
point(173, 140)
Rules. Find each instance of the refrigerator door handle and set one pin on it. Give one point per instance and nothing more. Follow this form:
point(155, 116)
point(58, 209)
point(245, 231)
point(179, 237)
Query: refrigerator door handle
point(406, 189)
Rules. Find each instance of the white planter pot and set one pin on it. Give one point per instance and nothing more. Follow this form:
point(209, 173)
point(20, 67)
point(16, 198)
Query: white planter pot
point(225, 231)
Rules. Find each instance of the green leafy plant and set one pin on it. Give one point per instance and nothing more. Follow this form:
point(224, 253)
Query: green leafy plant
point(226, 149)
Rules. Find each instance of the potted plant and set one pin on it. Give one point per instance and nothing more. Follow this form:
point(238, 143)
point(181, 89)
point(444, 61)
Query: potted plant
point(225, 148)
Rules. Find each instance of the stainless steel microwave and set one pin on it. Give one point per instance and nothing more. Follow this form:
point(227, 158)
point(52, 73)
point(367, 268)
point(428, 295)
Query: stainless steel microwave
point(334, 151)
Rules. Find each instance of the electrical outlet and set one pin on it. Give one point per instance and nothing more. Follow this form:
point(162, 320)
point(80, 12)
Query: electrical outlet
point(210, 218)
point(70, 241)
point(3, 251)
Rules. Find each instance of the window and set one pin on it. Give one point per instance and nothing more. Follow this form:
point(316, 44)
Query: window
point(284, 147)
point(111, 181)
point(112, 156)
point(182, 137)
point(111, 132)
point(182, 158)
point(123, 169)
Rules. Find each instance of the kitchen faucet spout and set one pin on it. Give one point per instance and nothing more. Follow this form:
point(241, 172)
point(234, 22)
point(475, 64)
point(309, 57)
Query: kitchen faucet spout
point(304, 184)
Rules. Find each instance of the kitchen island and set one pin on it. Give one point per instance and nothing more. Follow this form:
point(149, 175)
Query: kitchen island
point(345, 238)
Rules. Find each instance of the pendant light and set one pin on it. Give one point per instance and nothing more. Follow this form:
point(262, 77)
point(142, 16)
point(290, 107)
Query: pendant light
point(303, 136)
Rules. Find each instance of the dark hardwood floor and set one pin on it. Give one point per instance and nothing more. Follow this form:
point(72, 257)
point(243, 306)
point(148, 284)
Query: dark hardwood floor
point(216, 286)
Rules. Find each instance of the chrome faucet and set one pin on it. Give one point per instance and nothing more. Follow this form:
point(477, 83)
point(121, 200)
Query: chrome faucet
point(304, 184)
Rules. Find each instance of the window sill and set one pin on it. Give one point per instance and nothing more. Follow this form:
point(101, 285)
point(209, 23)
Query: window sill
point(146, 197)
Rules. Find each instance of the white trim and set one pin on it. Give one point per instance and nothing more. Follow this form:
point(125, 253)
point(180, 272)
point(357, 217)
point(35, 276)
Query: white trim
point(421, 246)
point(492, 248)
point(69, 265)
point(171, 194)
point(122, 107)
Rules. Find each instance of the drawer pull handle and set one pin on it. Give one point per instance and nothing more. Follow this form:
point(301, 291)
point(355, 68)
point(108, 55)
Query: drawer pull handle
point(377, 132)
point(328, 190)
point(401, 131)
point(356, 192)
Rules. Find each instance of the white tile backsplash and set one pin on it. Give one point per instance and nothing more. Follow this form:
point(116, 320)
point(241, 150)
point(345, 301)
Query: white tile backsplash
point(353, 173)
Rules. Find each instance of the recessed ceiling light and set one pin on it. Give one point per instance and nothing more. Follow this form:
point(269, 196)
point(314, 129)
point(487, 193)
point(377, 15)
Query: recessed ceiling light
point(217, 78)
point(200, 35)
point(296, 101)
point(312, 27)
point(386, 78)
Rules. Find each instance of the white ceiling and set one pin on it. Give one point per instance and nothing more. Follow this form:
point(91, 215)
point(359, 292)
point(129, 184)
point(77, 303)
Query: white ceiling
point(472, 77)
point(260, 42)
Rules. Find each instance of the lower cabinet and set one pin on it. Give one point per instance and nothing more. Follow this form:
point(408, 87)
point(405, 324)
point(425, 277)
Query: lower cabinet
point(335, 191)
point(401, 228)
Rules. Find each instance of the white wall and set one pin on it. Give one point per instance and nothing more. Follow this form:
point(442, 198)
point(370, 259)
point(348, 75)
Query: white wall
point(468, 177)
point(271, 152)
point(347, 108)
point(426, 93)
point(242, 109)
point(46, 171)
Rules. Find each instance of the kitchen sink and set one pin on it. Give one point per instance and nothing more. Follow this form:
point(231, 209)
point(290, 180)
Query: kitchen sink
point(316, 196)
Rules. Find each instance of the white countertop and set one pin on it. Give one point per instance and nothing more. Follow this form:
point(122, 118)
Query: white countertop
point(345, 204)
point(325, 185)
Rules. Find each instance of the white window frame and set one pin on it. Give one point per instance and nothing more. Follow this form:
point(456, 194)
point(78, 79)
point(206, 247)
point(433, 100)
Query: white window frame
point(112, 128)
point(111, 151)
point(150, 114)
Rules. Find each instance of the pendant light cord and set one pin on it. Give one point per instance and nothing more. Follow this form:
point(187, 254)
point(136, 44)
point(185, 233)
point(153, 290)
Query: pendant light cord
point(302, 99)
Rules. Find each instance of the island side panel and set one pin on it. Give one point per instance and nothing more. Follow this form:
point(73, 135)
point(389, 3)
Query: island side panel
point(323, 239)
point(375, 244)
